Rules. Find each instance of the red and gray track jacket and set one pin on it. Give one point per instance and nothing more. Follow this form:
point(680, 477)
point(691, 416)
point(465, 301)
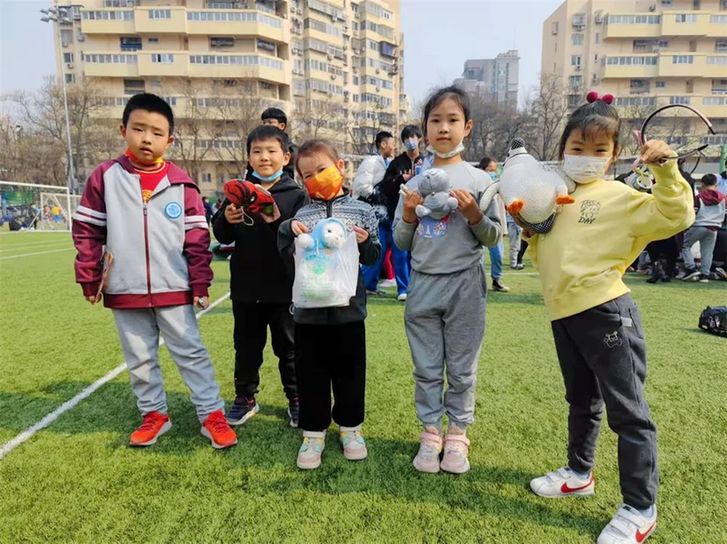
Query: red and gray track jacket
point(160, 249)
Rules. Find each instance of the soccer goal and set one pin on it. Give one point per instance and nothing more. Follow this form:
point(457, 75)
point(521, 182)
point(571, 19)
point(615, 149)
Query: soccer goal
point(29, 206)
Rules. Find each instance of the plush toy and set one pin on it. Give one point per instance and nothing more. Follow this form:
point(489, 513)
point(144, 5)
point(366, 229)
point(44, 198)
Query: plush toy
point(434, 186)
point(326, 266)
point(530, 190)
point(252, 198)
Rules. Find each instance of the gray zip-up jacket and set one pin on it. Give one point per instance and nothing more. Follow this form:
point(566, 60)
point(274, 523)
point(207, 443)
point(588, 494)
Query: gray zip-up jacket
point(160, 249)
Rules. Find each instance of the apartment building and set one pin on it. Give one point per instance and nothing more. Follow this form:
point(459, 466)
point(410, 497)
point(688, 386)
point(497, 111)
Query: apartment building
point(496, 77)
point(335, 66)
point(647, 53)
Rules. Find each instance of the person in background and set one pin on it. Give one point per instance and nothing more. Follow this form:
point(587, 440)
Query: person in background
point(489, 165)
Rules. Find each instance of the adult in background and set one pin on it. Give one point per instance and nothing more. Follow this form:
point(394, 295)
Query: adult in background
point(365, 187)
point(489, 165)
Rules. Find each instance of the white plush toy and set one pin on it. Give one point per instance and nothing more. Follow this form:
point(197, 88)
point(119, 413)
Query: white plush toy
point(531, 190)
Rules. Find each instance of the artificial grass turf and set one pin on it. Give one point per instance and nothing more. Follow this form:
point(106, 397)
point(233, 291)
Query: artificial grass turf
point(78, 480)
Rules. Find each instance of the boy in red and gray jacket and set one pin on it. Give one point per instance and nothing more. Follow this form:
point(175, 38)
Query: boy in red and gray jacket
point(156, 265)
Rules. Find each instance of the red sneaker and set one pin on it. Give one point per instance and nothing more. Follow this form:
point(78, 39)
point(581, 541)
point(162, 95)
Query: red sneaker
point(216, 428)
point(152, 427)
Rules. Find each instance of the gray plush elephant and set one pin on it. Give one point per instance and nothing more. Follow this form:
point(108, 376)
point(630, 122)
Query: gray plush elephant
point(434, 186)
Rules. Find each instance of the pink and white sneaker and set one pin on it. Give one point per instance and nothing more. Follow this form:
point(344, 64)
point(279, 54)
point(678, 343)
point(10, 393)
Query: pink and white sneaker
point(427, 458)
point(628, 526)
point(563, 483)
point(454, 460)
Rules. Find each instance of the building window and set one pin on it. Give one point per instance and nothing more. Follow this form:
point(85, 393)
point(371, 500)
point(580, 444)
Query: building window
point(67, 57)
point(575, 82)
point(686, 17)
point(554, 29)
point(66, 37)
point(718, 19)
point(717, 60)
point(119, 3)
point(130, 44)
point(162, 58)
point(632, 61)
point(575, 60)
point(721, 46)
point(153, 40)
point(696, 4)
point(660, 84)
point(160, 14)
point(266, 86)
point(267, 46)
point(678, 100)
point(207, 177)
point(577, 39)
point(637, 86)
point(719, 86)
point(634, 19)
point(133, 86)
point(666, 2)
point(70, 78)
point(682, 59)
point(220, 42)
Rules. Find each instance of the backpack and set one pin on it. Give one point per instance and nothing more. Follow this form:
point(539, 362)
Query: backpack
point(714, 320)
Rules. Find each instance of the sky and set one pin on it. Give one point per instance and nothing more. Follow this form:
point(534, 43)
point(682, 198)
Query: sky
point(439, 36)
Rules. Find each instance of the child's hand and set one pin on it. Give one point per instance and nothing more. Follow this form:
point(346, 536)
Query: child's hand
point(201, 302)
point(467, 206)
point(656, 152)
point(412, 199)
point(298, 228)
point(361, 234)
point(406, 176)
point(233, 214)
point(93, 299)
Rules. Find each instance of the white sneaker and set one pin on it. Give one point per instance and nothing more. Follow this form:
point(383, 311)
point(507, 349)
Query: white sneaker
point(401, 297)
point(354, 445)
point(563, 483)
point(387, 283)
point(455, 459)
point(427, 458)
point(628, 526)
point(309, 454)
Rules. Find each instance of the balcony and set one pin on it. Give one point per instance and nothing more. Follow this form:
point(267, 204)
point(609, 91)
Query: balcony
point(685, 24)
point(237, 23)
point(105, 64)
point(633, 25)
point(692, 65)
point(261, 67)
point(180, 20)
point(630, 66)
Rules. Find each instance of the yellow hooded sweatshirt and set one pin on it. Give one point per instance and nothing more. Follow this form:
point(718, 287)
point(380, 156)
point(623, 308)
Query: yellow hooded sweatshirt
point(582, 260)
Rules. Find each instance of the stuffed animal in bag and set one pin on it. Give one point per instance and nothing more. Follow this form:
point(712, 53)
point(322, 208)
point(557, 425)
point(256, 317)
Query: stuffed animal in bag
point(434, 186)
point(326, 262)
point(529, 189)
point(252, 198)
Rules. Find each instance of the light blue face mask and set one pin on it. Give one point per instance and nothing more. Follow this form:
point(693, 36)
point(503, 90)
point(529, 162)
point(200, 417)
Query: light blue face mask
point(459, 148)
point(268, 179)
point(410, 144)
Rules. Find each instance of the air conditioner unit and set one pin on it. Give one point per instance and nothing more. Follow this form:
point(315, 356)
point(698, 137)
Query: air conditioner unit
point(378, 71)
point(333, 76)
point(652, 7)
point(81, 37)
point(378, 89)
point(69, 65)
point(355, 69)
point(577, 68)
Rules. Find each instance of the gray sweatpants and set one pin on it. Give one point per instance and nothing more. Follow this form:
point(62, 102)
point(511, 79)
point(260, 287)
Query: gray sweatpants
point(707, 239)
point(139, 333)
point(602, 356)
point(445, 323)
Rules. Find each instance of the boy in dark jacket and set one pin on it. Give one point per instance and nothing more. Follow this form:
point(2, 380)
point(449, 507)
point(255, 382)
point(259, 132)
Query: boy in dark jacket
point(261, 280)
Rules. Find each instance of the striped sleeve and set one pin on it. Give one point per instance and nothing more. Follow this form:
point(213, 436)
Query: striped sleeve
point(89, 215)
point(195, 222)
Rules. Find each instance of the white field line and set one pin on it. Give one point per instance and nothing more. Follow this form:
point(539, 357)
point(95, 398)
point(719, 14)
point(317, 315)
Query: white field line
point(36, 253)
point(41, 245)
point(28, 433)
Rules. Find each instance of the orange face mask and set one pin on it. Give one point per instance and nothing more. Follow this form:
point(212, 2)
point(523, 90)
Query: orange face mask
point(326, 184)
point(137, 160)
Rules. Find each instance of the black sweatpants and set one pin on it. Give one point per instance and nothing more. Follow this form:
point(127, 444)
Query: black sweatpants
point(251, 327)
point(331, 357)
point(602, 356)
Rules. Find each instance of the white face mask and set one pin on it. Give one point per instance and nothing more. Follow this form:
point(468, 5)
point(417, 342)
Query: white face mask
point(584, 169)
point(459, 148)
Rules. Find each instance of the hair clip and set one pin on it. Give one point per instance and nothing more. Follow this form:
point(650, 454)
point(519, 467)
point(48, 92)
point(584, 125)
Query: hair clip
point(592, 96)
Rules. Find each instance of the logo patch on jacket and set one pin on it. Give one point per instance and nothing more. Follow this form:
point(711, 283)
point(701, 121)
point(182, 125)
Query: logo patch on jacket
point(173, 210)
point(589, 211)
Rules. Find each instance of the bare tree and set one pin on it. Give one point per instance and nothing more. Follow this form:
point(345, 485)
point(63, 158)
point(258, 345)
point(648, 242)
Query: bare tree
point(548, 109)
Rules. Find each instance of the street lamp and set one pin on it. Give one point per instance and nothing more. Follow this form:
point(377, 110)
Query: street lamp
point(60, 15)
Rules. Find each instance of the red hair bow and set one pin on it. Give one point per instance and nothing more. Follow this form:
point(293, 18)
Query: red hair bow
point(593, 96)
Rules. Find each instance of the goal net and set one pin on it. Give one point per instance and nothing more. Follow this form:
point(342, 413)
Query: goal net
point(27, 206)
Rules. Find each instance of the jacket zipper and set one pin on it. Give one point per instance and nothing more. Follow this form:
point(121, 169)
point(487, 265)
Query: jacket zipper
point(146, 248)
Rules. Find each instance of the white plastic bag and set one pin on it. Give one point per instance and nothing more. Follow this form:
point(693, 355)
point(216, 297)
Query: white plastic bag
point(326, 266)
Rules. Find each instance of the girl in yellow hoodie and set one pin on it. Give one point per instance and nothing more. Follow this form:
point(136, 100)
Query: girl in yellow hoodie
point(596, 325)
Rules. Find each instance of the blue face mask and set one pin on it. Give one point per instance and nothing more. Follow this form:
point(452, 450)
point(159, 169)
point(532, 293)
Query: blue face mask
point(411, 144)
point(268, 179)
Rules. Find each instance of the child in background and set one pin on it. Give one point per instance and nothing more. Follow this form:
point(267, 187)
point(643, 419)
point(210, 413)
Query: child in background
point(596, 325)
point(445, 309)
point(330, 343)
point(149, 215)
point(261, 280)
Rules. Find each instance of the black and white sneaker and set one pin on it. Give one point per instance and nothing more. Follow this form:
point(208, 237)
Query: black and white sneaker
point(241, 410)
point(691, 274)
point(703, 278)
